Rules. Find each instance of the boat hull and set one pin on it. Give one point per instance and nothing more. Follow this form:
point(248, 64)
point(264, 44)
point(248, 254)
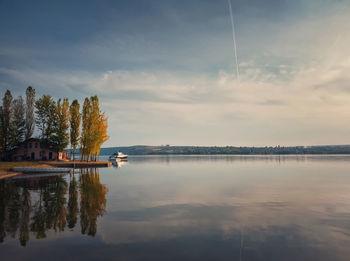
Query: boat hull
point(118, 156)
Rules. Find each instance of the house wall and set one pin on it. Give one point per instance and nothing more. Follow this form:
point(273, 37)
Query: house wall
point(24, 152)
point(62, 155)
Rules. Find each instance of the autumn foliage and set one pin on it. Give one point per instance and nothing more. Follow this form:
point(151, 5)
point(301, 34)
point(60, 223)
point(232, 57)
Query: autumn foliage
point(58, 123)
point(94, 129)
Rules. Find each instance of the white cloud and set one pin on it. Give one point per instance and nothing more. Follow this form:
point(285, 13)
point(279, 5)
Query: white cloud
point(295, 91)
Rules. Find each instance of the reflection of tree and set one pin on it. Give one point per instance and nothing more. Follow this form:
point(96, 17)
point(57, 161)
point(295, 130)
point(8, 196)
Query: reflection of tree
point(38, 205)
point(54, 202)
point(3, 207)
point(73, 207)
point(24, 225)
point(38, 220)
point(13, 210)
point(50, 211)
point(15, 206)
point(92, 202)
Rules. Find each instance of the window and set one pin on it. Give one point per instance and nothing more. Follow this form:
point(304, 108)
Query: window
point(25, 145)
point(30, 145)
point(36, 145)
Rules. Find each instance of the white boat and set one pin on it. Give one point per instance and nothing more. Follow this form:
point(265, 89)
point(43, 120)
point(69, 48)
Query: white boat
point(118, 156)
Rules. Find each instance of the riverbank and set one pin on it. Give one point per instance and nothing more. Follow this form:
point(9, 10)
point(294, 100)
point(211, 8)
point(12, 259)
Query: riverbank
point(6, 167)
point(81, 164)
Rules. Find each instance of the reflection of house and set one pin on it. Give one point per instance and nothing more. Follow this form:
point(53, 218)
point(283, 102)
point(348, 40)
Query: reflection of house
point(34, 149)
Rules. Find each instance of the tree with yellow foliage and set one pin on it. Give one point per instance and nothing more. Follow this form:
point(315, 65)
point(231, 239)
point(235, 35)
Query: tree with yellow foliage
point(94, 129)
point(74, 120)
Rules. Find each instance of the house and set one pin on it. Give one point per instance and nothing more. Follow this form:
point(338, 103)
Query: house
point(33, 149)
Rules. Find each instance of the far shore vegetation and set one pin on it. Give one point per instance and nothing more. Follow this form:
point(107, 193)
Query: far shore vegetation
point(228, 150)
point(58, 123)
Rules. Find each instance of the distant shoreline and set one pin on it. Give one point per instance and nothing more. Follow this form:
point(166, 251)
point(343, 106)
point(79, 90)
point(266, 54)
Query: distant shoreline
point(228, 150)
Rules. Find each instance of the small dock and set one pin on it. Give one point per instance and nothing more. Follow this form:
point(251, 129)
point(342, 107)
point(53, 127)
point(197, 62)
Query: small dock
point(41, 170)
point(11, 169)
point(4, 174)
point(81, 164)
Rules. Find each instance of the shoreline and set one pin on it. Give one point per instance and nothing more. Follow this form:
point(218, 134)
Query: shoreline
point(7, 166)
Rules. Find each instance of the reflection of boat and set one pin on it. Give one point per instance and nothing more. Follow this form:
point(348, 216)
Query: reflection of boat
point(120, 163)
point(118, 156)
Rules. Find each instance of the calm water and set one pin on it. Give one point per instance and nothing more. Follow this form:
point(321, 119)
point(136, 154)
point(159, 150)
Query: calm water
point(183, 208)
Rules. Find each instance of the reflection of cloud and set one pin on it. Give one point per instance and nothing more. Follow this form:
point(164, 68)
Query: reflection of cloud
point(225, 223)
point(268, 243)
point(288, 204)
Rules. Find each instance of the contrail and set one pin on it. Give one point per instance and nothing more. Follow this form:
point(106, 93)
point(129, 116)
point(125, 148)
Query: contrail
point(241, 248)
point(234, 40)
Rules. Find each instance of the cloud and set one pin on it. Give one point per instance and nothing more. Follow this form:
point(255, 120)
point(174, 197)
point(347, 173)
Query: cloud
point(177, 81)
point(138, 102)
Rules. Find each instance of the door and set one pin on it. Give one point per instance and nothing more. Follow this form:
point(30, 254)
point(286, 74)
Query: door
point(50, 156)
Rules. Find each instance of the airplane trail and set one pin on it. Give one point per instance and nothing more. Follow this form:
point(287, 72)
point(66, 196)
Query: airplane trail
point(234, 40)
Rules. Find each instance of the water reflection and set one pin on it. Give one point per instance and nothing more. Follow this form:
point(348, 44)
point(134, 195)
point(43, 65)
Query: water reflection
point(43, 204)
point(92, 202)
point(206, 208)
point(119, 163)
point(237, 158)
point(184, 208)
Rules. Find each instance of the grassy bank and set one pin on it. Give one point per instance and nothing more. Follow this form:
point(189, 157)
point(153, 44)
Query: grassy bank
point(6, 166)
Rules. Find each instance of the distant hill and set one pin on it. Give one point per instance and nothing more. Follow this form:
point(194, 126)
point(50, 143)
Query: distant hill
point(203, 150)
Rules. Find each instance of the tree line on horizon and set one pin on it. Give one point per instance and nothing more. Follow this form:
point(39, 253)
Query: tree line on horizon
point(228, 150)
point(58, 123)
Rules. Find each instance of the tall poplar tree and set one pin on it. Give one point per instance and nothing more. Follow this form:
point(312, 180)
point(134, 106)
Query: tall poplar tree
point(102, 136)
point(1, 130)
point(5, 120)
point(45, 110)
point(86, 130)
point(94, 130)
point(60, 136)
point(18, 123)
point(30, 119)
point(94, 118)
point(75, 119)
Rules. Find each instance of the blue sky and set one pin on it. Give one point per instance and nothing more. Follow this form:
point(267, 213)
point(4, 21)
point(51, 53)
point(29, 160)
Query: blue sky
point(164, 70)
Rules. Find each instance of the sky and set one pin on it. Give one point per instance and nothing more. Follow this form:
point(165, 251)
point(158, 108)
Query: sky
point(165, 71)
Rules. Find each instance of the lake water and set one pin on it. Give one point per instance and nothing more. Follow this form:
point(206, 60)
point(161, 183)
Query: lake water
point(183, 208)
